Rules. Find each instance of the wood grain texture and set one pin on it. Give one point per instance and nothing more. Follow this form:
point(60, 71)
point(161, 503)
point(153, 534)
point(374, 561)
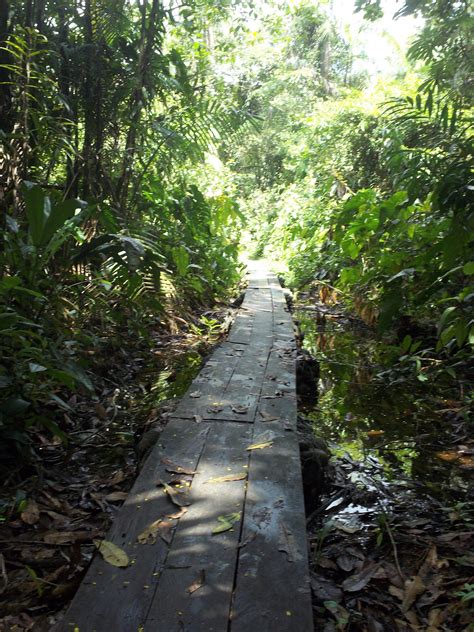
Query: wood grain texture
point(197, 552)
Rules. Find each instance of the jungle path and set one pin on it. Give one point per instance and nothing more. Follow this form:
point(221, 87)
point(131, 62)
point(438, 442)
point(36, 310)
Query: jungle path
point(237, 420)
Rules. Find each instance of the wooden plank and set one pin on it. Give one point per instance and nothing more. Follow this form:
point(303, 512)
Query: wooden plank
point(233, 398)
point(118, 599)
point(278, 397)
point(272, 590)
point(196, 550)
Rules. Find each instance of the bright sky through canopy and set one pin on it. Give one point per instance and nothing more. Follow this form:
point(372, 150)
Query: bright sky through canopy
point(380, 46)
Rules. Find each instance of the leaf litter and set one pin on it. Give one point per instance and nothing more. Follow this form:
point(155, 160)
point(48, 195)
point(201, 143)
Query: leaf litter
point(72, 500)
point(355, 574)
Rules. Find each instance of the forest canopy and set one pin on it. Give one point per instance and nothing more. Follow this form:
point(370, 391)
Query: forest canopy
point(142, 142)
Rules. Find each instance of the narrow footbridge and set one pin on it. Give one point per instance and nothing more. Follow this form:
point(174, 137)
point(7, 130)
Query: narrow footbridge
point(224, 550)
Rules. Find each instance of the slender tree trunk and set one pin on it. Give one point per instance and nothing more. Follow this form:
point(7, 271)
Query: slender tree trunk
point(6, 123)
point(89, 114)
point(70, 108)
point(149, 31)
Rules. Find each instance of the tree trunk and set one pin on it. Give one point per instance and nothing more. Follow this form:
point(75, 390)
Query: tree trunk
point(6, 123)
point(149, 30)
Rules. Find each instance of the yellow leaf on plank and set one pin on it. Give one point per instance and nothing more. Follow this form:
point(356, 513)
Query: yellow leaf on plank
point(260, 446)
point(150, 533)
point(197, 583)
point(112, 553)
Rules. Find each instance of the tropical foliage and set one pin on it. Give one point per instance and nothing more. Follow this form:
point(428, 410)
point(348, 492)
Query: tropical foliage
point(138, 138)
point(367, 191)
point(106, 108)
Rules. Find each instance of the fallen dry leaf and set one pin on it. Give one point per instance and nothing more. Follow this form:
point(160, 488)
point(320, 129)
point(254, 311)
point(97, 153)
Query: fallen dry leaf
point(240, 410)
point(466, 462)
point(195, 394)
point(348, 562)
point(396, 591)
point(267, 417)
point(165, 531)
point(150, 533)
point(31, 513)
point(177, 496)
point(413, 588)
point(177, 514)
point(375, 433)
point(197, 418)
point(197, 583)
point(324, 589)
point(228, 477)
point(447, 455)
point(112, 553)
point(115, 497)
point(67, 537)
point(117, 478)
point(361, 579)
point(260, 446)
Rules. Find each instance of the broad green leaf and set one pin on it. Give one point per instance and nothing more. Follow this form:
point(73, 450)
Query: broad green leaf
point(38, 209)
point(446, 315)
point(8, 319)
point(468, 268)
point(52, 427)
point(9, 282)
point(181, 259)
point(59, 215)
point(226, 522)
point(14, 406)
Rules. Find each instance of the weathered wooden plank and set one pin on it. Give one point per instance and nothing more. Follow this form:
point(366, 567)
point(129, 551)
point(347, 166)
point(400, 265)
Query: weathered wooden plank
point(118, 599)
point(231, 397)
point(272, 585)
point(197, 553)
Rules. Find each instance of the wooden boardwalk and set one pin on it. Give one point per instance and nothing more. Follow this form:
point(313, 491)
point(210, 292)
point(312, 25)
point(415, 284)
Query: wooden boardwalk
point(185, 578)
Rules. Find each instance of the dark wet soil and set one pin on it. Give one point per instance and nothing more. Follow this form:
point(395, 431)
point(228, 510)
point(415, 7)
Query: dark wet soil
point(391, 533)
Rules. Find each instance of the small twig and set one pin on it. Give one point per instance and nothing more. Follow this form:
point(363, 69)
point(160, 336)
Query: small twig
point(392, 540)
point(3, 572)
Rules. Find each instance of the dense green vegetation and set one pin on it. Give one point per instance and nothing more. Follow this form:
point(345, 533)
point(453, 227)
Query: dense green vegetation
point(366, 190)
point(106, 110)
point(138, 139)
